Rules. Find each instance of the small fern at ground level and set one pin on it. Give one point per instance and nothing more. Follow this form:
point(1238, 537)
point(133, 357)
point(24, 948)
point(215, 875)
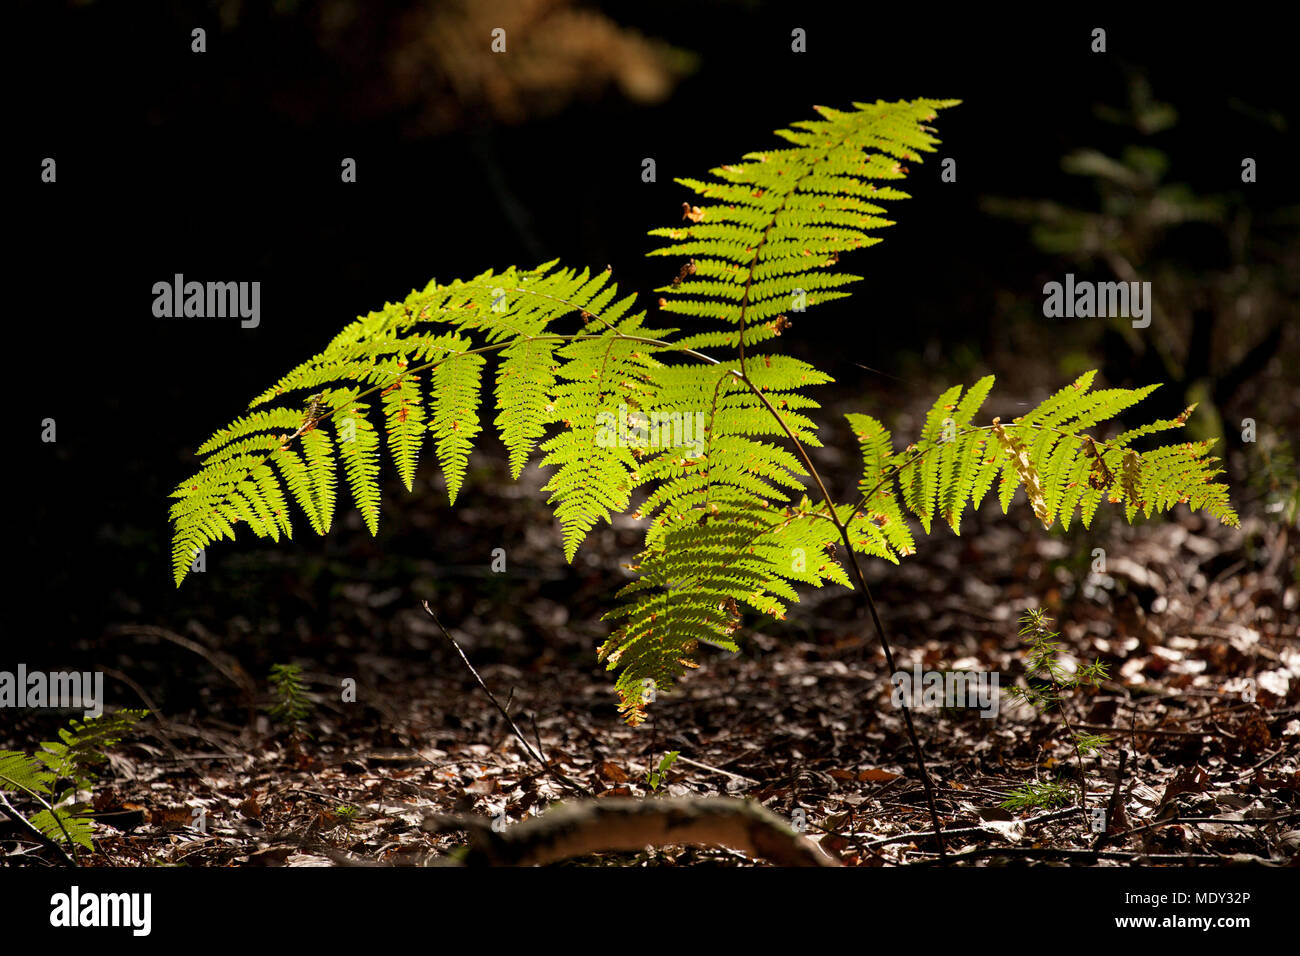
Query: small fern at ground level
point(60, 769)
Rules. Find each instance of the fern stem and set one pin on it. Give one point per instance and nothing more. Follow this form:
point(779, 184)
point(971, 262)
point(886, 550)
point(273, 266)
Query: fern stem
point(23, 822)
point(871, 607)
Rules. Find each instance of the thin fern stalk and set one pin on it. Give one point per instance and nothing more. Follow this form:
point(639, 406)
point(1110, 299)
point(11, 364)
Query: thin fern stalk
point(36, 834)
point(843, 530)
point(72, 844)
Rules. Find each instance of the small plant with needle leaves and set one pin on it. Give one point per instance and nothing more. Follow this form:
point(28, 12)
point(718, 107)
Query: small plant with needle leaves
point(291, 704)
point(1049, 684)
point(343, 815)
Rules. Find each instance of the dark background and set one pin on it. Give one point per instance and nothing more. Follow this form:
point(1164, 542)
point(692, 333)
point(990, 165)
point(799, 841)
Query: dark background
point(226, 166)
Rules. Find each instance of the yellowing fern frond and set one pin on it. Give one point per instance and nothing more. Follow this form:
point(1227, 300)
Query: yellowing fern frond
point(1048, 451)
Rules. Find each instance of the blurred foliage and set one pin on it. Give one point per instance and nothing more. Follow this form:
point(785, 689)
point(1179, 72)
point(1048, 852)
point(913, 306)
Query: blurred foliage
point(1223, 275)
point(431, 65)
point(1273, 475)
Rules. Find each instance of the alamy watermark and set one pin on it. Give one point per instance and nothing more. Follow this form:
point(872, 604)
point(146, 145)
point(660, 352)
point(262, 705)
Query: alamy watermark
point(59, 689)
point(946, 689)
point(128, 910)
point(1088, 300)
point(208, 300)
point(631, 428)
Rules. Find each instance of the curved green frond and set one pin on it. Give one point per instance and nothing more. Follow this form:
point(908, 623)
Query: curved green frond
point(416, 367)
point(72, 758)
point(695, 577)
point(764, 243)
point(1049, 451)
point(601, 381)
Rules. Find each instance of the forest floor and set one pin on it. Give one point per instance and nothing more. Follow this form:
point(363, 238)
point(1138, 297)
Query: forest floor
point(1196, 623)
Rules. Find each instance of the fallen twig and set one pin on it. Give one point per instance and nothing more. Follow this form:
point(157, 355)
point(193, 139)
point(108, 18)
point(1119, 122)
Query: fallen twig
point(1114, 801)
point(528, 748)
point(718, 770)
point(1135, 857)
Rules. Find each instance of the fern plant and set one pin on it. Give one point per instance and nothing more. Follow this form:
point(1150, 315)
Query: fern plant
point(62, 768)
point(709, 424)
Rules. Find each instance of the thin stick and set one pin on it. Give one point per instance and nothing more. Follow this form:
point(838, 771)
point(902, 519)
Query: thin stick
point(967, 831)
point(140, 692)
point(1133, 857)
point(718, 770)
point(537, 738)
point(1174, 821)
point(1267, 760)
point(231, 671)
point(528, 748)
point(1114, 801)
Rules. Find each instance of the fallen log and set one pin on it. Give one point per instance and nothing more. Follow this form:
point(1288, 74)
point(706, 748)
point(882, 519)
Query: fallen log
point(624, 824)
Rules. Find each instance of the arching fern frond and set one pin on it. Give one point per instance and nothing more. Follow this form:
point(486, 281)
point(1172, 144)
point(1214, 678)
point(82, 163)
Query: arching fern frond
point(723, 530)
point(1049, 451)
point(69, 760)
point(764, 244)
point(412, 371)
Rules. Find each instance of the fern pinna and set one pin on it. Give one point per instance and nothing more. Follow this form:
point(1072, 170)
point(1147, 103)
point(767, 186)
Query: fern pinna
point(709, 426)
